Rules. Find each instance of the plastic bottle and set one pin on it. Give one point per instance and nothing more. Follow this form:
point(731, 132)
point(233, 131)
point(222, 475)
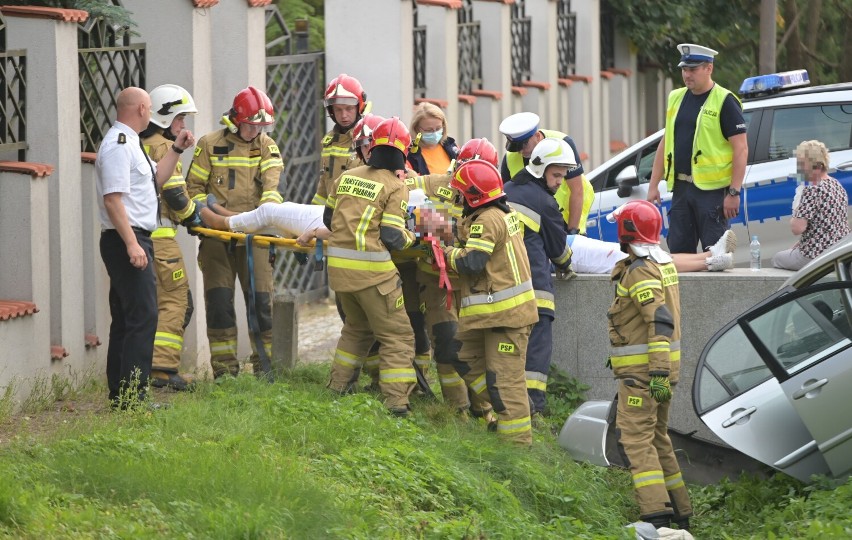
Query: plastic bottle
point(754, 248)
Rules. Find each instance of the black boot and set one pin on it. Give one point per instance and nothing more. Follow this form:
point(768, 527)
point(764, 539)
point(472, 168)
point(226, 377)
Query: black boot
point(659, 521)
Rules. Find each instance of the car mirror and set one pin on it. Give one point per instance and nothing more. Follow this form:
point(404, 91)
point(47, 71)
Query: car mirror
point(626, 180)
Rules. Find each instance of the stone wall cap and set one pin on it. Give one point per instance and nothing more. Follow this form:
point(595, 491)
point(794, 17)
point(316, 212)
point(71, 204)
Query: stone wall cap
point(449, 4)
point(25, 167)
point(38, 12)
point(259, 3)
point(442, 103)
point(10, 309)
point(88, 157)
point(205, 3)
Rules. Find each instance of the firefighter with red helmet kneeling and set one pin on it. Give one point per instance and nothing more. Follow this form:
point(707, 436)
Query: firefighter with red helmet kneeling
point(241, 166)
point(644, 331)
point(345, 102)
point(498, 306)
point(366, 212)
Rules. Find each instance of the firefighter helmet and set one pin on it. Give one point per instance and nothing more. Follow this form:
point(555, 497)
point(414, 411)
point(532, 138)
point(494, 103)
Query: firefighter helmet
point(478, 181)
point(551, 151)
point(639, 222)
point(168, 101)
point(478, 149)
point(362, 133)
point(392, 132)
point(252, 106)
point(345, 90)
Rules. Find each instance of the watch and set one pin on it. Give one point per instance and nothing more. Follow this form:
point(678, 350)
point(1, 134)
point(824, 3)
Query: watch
point(733, 192)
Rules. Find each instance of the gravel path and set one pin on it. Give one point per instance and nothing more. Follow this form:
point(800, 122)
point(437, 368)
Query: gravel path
point(319, 330)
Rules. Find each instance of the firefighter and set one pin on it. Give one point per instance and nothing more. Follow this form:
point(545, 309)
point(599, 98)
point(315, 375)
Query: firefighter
point(442, 322)
point(575, 195)
point(170, 104)
point(498, 305)
point(530, 193)
point(240, 165)
point(345, 102)
point(644, 330)
point(366, 212)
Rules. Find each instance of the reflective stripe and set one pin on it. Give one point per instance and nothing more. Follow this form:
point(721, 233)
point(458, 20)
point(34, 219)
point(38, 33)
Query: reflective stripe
point(336, 151)
point(648, 478)
point(174, 182)
point(165, 339)
point(638, 359)
point(200, 172)
point(544, 299)
point(372, 361)
point(318, 199)
point(497, 307)
point(641, 348)
point(271, 196)
point(658, 346)
point(479, 244)
point(393, 221)
point(346, 359)
point(620, 290)
point(536, 381)
point(361, 229)
point(644, 285)
point(520, 425)
point(219, 348)
point(364, 266)
point(674, 481)
point(422, 360)
point(478, 385)
point(529, 217)
point(164, 232)
point(563, 257)
point(513, 262)
point(399, 375)
point(511, 292)
point(450, 380)
point(345, 253)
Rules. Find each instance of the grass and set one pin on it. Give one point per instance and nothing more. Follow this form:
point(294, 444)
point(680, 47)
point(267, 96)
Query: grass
point(247, 459)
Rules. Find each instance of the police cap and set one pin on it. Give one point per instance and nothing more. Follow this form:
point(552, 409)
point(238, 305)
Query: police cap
point(693, 55)
point(518, 128)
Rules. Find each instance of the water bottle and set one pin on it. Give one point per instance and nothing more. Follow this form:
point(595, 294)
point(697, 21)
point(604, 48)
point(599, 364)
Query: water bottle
point(754, 247)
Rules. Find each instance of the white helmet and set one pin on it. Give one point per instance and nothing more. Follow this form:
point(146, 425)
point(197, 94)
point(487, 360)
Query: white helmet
point(551, 151)
point(168, 101)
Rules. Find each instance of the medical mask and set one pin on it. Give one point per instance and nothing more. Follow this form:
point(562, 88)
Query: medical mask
point(432, 138)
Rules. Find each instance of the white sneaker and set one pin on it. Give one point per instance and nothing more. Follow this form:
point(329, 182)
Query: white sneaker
point(717, 263)
point(727, 243)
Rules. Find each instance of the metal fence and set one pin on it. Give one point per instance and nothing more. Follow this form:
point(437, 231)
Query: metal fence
point(419, 58)
point(566, 41)
point(607, 36)
point(108, 63)
point(469, 50)
point(521, 30)
point(294, 83)
point(13, 110)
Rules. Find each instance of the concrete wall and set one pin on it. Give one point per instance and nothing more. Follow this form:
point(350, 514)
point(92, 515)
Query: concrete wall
point(709, 300)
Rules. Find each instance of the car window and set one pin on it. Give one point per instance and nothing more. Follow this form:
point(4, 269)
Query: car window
point(805, 330)
point(831, 124)
point(644, 164)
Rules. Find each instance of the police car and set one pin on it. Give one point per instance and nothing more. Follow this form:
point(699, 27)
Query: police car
point(780, 111)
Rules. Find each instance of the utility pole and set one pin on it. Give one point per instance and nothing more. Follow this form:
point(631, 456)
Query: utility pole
point(766, 62)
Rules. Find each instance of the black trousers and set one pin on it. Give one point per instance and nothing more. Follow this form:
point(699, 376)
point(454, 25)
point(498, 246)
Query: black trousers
point(696, 215)
point(133, 308)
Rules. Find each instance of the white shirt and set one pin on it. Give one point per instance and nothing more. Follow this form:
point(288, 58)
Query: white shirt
point(125, 168)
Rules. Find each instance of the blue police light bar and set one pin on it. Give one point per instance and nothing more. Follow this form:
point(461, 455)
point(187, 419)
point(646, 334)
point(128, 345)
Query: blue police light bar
point(770, 84)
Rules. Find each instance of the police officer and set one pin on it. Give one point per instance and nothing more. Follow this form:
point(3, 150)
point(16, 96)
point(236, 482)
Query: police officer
point(240, 165)
point(575, 194)
point(170, 104)
point(345, 102)
point(702, 155)
point(644, 330)
point(366, 212)
point(127, 187)
point(498, 305)
point(530, 193)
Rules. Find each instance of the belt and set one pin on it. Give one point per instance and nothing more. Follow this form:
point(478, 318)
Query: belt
point(685, 177)
point(141, 231)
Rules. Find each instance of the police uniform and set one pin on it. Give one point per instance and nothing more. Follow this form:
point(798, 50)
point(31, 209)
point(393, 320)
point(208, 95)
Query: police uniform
point(123, 167)
point(241, 175)
point(441, 322)
point(544, 238)
point(644, 330)
point(369, 208)
point(521, 126)
point(174, 298)
point(497, 311)
point(336, 156)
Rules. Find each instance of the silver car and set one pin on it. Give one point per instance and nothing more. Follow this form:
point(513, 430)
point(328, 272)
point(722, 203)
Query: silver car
point(775, 383)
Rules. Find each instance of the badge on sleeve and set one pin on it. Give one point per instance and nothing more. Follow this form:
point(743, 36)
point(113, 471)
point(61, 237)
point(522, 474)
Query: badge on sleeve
point(122, 138)
point(476, 230)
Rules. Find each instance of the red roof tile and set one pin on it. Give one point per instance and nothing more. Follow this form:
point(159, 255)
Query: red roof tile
point(38, 12)
point(259, 3)
point(204, 3)
point(9, 309)
point(25, 167)
point(57, 352)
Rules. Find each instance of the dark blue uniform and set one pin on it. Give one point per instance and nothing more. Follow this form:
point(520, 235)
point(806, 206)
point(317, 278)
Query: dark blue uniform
point(544, 236)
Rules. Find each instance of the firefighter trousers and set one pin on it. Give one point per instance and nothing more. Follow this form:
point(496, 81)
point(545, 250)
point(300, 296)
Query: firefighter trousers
point(539, 355)
point(492, 359)
point(221, 264)
point(174, 304)
point(414, 308)
point(643, 438)
point(443, 324)
point(374, 314)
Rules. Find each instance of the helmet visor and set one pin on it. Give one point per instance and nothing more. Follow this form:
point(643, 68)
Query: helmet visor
point(341, 101)
point(261, 117)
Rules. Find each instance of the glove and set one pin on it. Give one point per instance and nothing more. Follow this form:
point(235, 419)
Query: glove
point(193, 220)
point(660, 388)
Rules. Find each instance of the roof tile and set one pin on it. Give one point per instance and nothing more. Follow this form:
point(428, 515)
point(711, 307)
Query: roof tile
point(38, 12)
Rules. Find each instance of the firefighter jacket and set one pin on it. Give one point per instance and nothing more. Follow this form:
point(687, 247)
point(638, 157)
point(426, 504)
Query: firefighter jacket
point(545, 234)
point(443, 197)
point(337, 155)
point(241, 175)
point(174, 191)
point(369, 208)
point(496, 286)
point(644, 320)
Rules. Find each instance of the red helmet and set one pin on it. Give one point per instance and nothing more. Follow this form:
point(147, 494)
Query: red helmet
point(478, 181)
point(639, 222)
point(478, 149)
point(345, 90)
point(252, 106)
point(392, 132)
point(362, 133)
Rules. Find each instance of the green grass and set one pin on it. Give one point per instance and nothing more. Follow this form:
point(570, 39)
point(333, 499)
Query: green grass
point(248, 459)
